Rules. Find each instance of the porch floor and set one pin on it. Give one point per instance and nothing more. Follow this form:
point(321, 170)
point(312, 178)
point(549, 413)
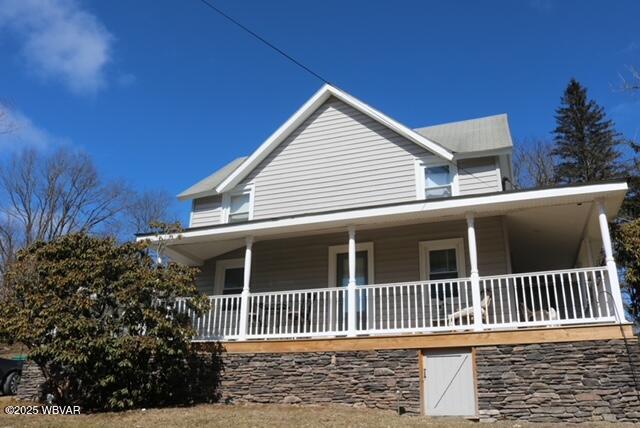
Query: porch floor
point(522, 336)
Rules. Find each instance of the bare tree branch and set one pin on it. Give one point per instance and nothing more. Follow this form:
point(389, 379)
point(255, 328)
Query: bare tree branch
point(149, 207)
point(630, 83)
point(534, 166)
point(43, 197)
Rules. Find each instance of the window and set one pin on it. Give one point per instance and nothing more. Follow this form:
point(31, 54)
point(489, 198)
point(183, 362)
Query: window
point(229, 276)
point(233, 280)
point(438, 182)
point(239, 207)
point(435, 179)
point(442, 260)
point(443, 264)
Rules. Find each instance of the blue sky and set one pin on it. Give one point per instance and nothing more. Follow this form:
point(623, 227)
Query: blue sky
point(163, 92)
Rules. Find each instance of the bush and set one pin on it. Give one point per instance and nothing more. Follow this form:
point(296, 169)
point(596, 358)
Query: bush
point(628, 255)
point(98, 319)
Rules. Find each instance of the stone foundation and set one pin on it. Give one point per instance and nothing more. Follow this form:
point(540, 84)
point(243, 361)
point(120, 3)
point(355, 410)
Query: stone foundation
point(367, 379)
point(559, 382)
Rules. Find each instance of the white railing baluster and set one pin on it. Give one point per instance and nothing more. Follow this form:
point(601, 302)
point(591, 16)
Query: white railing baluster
point(467, 290)
point(579, 293)
point(452, 300)
point(540, 304)
point(495, 297)
point(415, 306)
point(502, 311)
point(605, 289)
point(555, 297)
point(596, 297)
point(401, 295)
point(312, 315)
point(525, 315)
point(437, 288)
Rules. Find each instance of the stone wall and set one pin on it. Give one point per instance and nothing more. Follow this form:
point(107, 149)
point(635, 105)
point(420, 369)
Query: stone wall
point(30, 386)
point(563, 382)
point(368, 379)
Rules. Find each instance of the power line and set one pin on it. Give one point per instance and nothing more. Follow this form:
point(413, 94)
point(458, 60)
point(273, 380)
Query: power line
point(266, 42)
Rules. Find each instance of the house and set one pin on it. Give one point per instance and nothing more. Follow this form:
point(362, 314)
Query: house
point(351, 259)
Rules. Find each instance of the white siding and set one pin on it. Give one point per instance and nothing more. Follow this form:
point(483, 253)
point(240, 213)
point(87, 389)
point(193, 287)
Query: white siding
point(338, 158)
point(298, 263)
point(478, 176)
point(206, 211)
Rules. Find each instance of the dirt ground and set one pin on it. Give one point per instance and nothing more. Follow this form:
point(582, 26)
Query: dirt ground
point(217, 415)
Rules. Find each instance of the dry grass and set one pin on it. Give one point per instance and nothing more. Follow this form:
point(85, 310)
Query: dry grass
point(245, 416)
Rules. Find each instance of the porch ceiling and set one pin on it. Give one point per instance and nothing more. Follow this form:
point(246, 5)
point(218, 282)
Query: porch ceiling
point(548, 238)
point(541, 221)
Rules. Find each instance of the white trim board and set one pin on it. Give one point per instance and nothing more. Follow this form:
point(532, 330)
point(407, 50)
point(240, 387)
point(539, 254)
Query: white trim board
point(325, 92)
point(334, 250)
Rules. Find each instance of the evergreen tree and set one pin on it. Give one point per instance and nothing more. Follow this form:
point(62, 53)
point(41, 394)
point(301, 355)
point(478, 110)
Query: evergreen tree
point(585, 140)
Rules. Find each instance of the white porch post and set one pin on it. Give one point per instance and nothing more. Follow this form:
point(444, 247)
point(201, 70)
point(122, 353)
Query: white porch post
point(612, 270)
point(244, 299)
point(351, 287)
point(475, 278)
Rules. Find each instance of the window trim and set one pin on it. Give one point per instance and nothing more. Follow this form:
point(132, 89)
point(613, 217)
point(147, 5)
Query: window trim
point(421, 166)
point(334, 250)
point(226, 202)
point(221, 267)
point(442, 244)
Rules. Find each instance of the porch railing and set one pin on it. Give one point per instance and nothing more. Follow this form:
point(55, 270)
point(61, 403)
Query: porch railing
point(536, 299)
point(414, 306)
point(549, 298)
point(304, 313)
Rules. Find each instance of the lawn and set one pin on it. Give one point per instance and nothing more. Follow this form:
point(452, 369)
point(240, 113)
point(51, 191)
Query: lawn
point(245, 416)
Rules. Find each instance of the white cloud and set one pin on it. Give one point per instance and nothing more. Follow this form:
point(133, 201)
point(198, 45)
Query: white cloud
point(60, 40)
point(17, 132)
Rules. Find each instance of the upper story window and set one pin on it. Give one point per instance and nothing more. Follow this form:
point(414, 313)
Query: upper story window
point(436, 180)
point(238, 205)
point(239, 208)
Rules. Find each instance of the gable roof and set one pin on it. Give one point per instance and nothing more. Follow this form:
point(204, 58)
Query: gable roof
point(304, 112)
point(474, 135)
point(468, 136)
point(207, 186)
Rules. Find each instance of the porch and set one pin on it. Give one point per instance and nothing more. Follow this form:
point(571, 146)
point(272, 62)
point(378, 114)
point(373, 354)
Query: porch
point(507, 261)
point(514, 301)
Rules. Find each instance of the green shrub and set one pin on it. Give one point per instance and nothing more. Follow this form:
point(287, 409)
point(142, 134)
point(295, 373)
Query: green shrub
point(97, 317)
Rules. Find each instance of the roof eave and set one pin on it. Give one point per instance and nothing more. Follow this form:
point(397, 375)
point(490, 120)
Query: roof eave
point(447, 206)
